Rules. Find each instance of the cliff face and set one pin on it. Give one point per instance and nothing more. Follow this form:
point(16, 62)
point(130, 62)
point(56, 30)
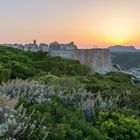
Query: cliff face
point(98, 59)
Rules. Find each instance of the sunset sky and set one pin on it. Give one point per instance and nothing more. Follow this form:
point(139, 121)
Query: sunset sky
point(86, 22)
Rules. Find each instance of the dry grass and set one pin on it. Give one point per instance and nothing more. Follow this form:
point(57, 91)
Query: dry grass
point(7, 101)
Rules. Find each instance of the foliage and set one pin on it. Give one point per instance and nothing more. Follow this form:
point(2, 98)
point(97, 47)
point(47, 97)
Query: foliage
point(46, 78)
point(4, 74)
point(16, 63)
point(63, 114)
point(66, 83)
point(61, 122)
point(119, 126)
point(54, 115)
point(60, 99)
point(113, 83)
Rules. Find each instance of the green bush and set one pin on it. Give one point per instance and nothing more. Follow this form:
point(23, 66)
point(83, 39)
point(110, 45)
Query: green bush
point(62, 123)
point(29, 64)
point(4, 74)
point(19, 70)
point(119, 126)
point(66, 83)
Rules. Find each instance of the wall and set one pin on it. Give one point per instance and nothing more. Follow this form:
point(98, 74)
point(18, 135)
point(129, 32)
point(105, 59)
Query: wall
point(98, 59)
point(67, 54)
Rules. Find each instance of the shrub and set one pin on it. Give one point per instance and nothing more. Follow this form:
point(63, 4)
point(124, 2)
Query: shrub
point(119, 126)
point(4, 74)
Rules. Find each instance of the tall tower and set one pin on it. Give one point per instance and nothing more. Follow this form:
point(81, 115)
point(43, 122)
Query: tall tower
point(34, 42)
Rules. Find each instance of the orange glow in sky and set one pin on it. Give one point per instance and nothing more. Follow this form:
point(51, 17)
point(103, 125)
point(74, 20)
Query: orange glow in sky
point(88, 23)
point(118, 30)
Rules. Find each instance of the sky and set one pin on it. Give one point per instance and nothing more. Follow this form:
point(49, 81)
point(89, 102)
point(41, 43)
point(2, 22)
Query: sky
point(89, 23)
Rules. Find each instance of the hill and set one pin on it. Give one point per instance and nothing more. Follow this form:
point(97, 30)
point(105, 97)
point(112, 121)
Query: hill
point(61, 100)
point(119, 48)
point(126, 59)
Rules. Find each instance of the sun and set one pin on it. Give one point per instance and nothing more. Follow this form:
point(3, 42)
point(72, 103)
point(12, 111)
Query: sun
point(117, 31)
point(117, 35)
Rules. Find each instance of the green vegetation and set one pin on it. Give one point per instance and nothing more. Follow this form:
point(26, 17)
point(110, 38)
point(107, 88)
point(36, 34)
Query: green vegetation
point(18, 64)
point(119, 126)
point(59, 99)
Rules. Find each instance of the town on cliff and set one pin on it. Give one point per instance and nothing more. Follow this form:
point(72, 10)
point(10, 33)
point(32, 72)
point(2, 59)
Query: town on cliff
point(98, 59)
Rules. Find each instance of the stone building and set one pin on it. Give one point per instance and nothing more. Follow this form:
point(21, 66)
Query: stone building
point(63, 50)
point(31, 47)
point(43, 47)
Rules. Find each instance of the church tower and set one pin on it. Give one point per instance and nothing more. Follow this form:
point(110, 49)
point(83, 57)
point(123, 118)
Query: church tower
point(34, 42)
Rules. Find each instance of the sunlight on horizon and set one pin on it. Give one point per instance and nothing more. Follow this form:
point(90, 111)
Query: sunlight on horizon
point(117, 31)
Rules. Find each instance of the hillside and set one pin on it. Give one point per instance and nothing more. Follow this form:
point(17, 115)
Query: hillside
point(58, 99)
point(126, 59)
point(16, 63)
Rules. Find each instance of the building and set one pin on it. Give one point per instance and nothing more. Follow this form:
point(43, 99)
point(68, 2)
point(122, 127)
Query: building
point(44, 47)
point(63, 50)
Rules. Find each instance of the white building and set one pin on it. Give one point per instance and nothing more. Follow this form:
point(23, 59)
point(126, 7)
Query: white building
point(43, 47)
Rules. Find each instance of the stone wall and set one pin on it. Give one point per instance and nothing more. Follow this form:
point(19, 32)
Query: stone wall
point(67, 54)
point(98, 59)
